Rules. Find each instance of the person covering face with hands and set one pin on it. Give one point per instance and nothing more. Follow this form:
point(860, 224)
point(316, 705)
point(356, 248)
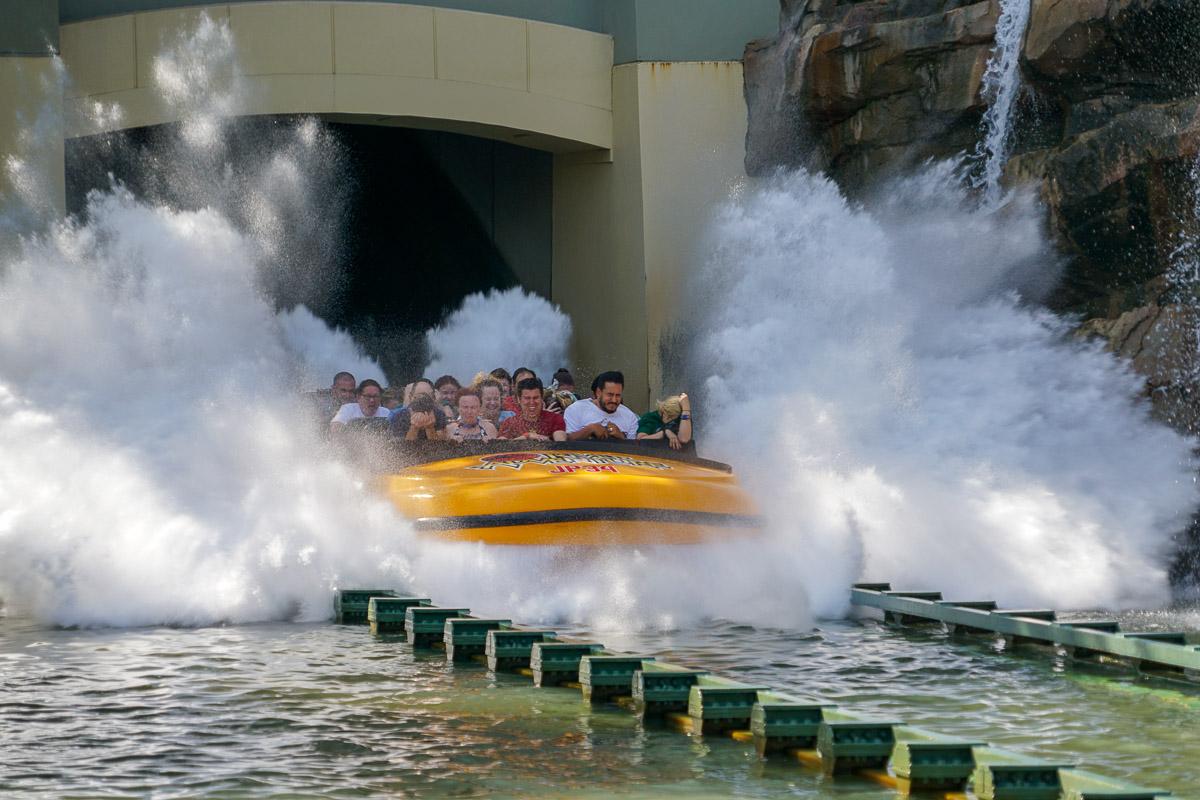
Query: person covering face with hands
point(671, 421)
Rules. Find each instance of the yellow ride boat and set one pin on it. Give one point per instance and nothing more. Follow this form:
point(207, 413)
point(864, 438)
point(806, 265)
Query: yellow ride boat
point(567, 493)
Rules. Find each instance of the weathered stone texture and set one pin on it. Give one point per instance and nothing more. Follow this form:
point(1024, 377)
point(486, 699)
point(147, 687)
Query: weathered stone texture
point(1107, 126)
point(879, 84)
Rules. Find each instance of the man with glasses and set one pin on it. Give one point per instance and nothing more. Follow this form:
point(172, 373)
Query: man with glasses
point(369, 405)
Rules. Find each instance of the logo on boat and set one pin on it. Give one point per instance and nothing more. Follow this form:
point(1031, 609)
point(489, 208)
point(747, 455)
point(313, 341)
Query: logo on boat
point(516, 461)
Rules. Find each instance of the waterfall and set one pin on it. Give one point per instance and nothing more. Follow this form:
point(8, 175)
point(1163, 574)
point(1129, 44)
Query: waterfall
point(1183, 277)
point(1001, 83)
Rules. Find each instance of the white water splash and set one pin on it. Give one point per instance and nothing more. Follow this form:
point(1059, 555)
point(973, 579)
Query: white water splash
point(510, 328)
point(1001, 85)
point(202, 58)
point(899, 412)
point(319, 352)
point(158, 465)
point(904, 416)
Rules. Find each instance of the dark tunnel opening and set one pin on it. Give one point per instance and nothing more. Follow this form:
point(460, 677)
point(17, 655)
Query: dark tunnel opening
point(378, 230)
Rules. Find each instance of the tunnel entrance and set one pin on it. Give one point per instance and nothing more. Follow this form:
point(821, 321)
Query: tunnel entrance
point(378, 230)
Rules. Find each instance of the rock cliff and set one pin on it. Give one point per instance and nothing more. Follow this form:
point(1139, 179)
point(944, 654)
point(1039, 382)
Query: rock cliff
point(1107, 126)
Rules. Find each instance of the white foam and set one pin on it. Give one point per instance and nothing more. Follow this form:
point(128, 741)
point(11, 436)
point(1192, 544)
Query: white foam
point(158, 466)
point(905, 416)
point(507, 328)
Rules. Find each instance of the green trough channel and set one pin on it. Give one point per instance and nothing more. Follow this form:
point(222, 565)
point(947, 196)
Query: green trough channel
point(1163, 654)
point(910, 758)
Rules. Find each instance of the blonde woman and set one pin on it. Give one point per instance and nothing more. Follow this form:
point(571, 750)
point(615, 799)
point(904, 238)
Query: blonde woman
point(672, 421)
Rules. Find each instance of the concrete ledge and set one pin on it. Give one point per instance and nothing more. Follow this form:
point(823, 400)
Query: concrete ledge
point(535, 84)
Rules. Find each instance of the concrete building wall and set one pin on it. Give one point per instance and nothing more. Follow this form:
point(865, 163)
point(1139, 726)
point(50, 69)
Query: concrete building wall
point(31, 152)
point(627, 232)
point(599, 263)
point(643, 30)
point(584, 14)
point(524, 82)
point(693, 152)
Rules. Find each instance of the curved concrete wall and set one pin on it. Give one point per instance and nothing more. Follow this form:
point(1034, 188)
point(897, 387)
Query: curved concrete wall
point(530, 83)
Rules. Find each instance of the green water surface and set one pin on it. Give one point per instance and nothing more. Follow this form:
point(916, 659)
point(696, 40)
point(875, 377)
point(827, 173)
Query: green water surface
point(319, 710)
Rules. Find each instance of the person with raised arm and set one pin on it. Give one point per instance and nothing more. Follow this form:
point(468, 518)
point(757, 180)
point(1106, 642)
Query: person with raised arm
point(671, 421)
point(420, 418)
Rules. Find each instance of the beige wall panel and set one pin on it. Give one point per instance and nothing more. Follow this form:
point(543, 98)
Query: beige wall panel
point(377, 39)
point(482, 48)
point(486, 105)
point(99, 55)
point(570, 64)
point(599, 268)
point(132, 108)
point(629, 235)
point(283, 38)
point(289, 94)
point(483, 58)
point(28, 85)
point(693, 132)
point(158, 30)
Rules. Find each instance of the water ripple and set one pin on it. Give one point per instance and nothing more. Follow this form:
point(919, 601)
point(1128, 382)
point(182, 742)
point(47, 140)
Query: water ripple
point(328, 711)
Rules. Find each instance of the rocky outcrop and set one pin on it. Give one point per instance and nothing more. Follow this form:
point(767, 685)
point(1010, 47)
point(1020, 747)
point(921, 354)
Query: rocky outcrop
point(1101, 56)
point(868, 86)
point(1107, 128)
point(1161, 344)
point(1122, 198)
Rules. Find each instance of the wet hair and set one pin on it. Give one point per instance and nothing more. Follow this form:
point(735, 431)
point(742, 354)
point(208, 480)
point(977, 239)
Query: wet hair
point(563, 377)
point(612, 376)
point(500, 373)
point(423, 380)
point(519, 370)
point(492, 382)
point(670, 408)
point(557, 401)
point(341, 375)
point(366, 383)
point(446, 379)
point(530, 383)
point(422, 403)
point(467, 391)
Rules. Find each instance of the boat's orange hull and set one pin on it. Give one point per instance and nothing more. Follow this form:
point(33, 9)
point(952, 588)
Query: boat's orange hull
point(567, 497)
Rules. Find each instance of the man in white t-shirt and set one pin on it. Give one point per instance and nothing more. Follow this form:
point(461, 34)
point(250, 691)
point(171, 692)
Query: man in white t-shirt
point(367, 406)
point(602, 417)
